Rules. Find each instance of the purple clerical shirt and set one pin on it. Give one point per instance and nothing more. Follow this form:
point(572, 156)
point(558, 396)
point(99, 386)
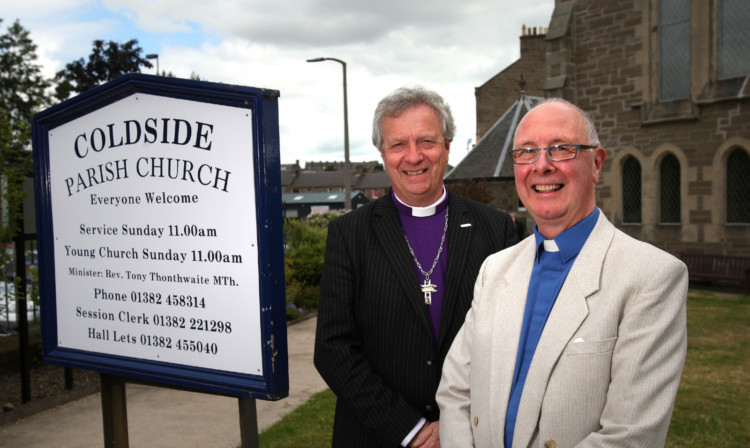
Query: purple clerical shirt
point(424, 234)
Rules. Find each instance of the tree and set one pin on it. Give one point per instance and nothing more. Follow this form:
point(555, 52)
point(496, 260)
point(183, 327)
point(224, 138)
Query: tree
point(106, 62)
point(22, 88)
point(22, 93)
point(10, 172)
point(16, 166)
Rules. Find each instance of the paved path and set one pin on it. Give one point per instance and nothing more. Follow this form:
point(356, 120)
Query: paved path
point(161, 417)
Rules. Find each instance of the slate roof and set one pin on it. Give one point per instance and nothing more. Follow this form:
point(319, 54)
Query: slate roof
point(335, 179)
point(323, 179)
point(287, 177)
point(490, 158)
point(378, 179)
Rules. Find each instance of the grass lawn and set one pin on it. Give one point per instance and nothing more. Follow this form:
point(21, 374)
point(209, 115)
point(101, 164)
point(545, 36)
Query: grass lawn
point(712, 407)
point(713, 403)
point(308, 426)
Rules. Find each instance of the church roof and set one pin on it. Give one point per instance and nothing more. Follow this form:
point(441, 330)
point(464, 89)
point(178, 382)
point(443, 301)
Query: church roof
point(491, 156)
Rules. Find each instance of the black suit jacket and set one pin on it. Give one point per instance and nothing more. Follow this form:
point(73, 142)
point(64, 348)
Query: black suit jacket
point(374, 346)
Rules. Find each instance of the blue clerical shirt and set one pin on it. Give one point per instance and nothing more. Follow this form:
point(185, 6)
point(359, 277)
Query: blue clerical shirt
point(552, 265)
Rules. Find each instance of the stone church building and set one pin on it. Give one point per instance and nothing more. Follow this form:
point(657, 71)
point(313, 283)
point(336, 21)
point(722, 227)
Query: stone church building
point(667, 83)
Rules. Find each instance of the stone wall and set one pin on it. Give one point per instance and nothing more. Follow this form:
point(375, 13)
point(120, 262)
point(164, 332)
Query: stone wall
point(612, 45)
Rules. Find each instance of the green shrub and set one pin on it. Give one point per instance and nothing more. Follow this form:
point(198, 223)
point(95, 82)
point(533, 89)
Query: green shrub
point(305, 243)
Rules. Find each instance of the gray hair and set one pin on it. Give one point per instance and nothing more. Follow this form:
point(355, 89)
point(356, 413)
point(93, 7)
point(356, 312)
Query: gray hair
point(404, 98)
point(588, 123)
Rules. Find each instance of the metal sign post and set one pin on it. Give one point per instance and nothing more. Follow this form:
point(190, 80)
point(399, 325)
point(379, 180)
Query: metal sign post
point(248, 423)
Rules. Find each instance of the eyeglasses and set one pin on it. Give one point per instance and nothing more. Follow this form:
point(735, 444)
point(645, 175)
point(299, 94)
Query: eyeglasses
point(557, 153)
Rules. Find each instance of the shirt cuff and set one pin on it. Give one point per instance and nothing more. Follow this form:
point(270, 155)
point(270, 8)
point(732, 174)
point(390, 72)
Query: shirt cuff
point(413, 432)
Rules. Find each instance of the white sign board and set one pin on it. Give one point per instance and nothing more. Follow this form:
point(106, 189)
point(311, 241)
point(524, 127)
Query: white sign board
point(145, 267)
point(154, 234)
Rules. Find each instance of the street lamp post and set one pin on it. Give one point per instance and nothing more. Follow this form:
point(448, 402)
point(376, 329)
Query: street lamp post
point(347, 165)
point(154, 56)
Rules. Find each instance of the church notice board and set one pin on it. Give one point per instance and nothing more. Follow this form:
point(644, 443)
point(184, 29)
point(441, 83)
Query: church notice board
point(158, 205)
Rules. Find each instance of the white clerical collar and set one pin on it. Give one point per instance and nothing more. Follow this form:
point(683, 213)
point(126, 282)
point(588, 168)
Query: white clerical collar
point(421, 212)
point(550, 246)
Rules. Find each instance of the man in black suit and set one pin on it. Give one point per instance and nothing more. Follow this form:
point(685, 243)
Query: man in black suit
point(398, 280)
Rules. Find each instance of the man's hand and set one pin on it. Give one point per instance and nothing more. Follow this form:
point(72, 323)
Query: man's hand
point(427, 437)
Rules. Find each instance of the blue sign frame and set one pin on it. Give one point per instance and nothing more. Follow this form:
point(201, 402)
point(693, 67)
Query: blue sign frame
point(273, 383)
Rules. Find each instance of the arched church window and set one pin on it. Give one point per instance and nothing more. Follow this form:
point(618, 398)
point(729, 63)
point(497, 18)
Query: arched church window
point(631, 191)
point(669, 190)
point(738, 187)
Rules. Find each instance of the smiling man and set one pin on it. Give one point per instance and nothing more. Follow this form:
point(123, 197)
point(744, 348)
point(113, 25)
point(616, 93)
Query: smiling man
point(577, 335)
point(415, 155)
point(398, 280)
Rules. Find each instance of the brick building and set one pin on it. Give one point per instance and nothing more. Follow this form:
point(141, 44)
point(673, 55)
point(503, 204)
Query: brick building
point(667, 83)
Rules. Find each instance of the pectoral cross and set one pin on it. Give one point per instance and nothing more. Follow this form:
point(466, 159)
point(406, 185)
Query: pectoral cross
point(427, 289)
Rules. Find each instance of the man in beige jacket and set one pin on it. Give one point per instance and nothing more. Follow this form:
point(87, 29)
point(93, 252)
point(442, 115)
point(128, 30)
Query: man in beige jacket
point(577, 335)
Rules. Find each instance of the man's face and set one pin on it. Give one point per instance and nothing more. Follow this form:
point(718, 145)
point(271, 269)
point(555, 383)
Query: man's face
point(415, 155)
point(557, 194)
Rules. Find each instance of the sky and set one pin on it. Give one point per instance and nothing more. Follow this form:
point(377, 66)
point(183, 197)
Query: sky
point(449, 46)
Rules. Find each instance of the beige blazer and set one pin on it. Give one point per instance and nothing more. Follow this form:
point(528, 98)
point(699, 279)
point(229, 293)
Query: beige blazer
point(608, 364)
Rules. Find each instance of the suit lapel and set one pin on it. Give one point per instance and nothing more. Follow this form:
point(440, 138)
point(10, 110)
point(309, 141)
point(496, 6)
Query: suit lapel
point(567, 315)
point(386, 226)
point(510, 302)
point(459, 238)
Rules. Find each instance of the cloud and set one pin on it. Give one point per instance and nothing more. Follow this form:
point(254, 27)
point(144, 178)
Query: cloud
point(451, 47)
point(289, 22)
